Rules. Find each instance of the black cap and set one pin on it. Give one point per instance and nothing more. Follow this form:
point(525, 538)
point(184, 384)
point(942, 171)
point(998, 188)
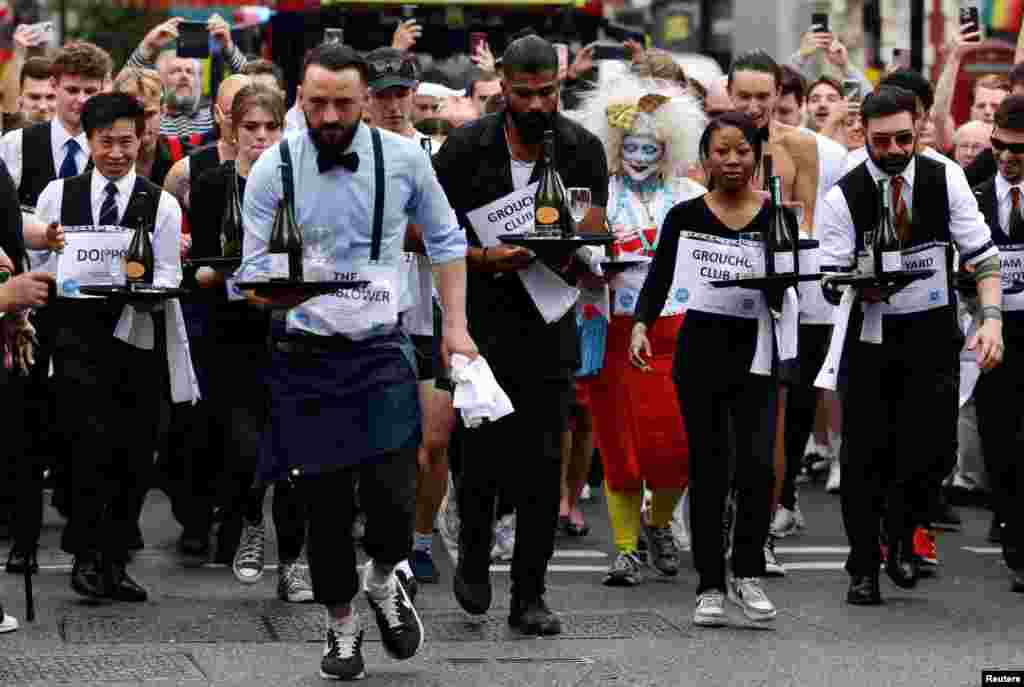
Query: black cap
point(390, 68)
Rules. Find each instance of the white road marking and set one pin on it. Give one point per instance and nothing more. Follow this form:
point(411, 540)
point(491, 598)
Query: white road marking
point(983, 549)
point(816, 550)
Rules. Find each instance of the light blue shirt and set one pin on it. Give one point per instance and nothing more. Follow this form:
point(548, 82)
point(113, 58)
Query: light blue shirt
point(343, 201)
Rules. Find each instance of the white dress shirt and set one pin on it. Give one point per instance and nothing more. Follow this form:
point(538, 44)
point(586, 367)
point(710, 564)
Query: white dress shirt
point(11, 149)
point(967, 226)
point(1004, 203)
point(138, 331)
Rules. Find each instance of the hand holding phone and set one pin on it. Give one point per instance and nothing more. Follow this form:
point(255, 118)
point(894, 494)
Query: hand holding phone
point(193, 39)
point(900, 58)
point(334, 35)
point(970, 21)
point(851, 90)
point(610, 51)
point(477, 39)
point(819, 21)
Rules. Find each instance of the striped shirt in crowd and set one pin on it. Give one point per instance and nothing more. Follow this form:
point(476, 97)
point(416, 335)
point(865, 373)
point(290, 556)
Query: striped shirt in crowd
point(200, 120)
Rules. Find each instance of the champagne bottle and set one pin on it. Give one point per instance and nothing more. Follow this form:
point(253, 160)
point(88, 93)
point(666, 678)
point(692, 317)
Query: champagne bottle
point(138, 261)
point(231, 224)
point(550, 210)
point(285, 247)
point(781, 242)
point(886, 248)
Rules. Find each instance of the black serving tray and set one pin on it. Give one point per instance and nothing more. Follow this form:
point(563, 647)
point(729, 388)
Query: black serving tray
point(555, 247)
point(776, 281)
point(144, 292)
point(891, 280)
point(219, 263)
point(312, 287)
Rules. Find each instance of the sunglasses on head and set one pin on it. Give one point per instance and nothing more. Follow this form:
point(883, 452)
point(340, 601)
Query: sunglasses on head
point(885, 140)
point(1000, 145)
point(394, 66)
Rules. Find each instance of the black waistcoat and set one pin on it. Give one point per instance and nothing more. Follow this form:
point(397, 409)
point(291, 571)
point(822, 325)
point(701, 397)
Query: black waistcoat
point(36, 163)
point(930, 219)
point(1013, 320)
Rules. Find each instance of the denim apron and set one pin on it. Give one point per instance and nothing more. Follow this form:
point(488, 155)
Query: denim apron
point(336, 403)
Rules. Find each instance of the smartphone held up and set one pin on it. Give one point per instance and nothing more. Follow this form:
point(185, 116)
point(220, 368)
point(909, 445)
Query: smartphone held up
point(970, 19)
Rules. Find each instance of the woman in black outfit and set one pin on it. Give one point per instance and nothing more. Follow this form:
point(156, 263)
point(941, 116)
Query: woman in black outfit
point(18, 292)
point(234, 356)
point(712, 371)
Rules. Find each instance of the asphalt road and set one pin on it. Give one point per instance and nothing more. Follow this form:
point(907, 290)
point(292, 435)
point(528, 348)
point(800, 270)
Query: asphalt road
point(200, 627)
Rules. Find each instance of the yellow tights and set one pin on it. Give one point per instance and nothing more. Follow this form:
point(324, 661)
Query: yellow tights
point(624, 511)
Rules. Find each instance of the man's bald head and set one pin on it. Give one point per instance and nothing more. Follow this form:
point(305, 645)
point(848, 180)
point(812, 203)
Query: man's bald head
point(226, 93)
point(717, 101)
point(969, 140)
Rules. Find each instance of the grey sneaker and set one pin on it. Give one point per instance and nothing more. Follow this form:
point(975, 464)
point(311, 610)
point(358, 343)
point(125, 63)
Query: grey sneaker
point(710, 611)
point(746, 593)
point(248, 563)
point(292, 585)
point(772, 567)
point(504, 538)
point(626, 571)
point(663, 553)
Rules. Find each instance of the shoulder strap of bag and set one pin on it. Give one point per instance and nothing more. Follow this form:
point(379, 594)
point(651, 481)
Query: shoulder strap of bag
point(378, 203)
point(287, 180)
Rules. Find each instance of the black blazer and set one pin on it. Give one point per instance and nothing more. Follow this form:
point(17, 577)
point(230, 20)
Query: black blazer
point(474, 167)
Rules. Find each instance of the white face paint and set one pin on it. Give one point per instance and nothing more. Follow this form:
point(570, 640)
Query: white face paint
point(641, 155)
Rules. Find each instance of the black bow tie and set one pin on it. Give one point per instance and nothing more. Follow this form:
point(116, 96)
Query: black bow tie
point(327, 160)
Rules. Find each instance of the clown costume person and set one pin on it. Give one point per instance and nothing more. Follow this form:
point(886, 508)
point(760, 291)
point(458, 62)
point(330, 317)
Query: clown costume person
point(638, 426)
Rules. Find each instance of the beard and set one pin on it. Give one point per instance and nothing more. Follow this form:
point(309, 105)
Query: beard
point(531, 125)
point(181, 103)
point(331, 137)
point(891, 164)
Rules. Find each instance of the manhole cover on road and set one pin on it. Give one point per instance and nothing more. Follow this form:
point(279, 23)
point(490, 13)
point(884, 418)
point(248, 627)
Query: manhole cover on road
point(455, 626)
point(234, 627)
point(63, 669)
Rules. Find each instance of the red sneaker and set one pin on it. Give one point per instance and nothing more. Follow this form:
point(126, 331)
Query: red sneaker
point(924, 547)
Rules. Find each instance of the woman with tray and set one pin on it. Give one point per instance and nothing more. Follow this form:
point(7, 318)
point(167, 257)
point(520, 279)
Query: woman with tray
point(717, 383)
point(647, 136)
point(232, 359)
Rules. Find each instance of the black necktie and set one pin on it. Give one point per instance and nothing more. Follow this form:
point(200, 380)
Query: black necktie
point(108, 211)
point(326, 160)
point(764, 132)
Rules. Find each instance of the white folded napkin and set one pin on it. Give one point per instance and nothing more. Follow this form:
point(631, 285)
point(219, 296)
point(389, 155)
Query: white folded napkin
point(871, 329)
point(786, 326)
point(828, 377)
point(478, 397)
point(552, 296)
point(762, 363)
point(969, 370)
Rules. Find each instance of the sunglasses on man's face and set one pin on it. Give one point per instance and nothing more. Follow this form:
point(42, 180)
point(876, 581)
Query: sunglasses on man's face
point(1000, 145)
point(883, 141)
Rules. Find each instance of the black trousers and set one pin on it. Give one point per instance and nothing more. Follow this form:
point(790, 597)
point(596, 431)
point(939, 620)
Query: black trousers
point(109, 400)
point(898, 433)
point(519, 456)
point(387, 486)
point(719, 398)
point(999, 396)
point(801, 401)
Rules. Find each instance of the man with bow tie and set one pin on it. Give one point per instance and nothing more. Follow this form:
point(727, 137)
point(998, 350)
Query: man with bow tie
point(342, 378)
point(999, 393)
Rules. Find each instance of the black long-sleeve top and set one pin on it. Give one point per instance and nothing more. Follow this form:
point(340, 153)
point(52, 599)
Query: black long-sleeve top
point(12, 240)
point(232, 321)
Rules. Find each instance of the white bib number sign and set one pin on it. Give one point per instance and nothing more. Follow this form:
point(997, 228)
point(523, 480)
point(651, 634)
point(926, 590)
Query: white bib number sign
point(1012, 268)
point(926, 294)
point(356, 313)
point(703, 258)
point(89, 256)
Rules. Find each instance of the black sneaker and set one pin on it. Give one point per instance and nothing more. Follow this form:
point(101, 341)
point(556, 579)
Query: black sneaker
point(401, 630)
point(343, 656)
point(533, 617)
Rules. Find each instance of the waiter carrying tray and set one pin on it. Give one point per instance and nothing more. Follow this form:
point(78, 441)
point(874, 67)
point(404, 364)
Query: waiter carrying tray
point(902, 354)
point(114, 361)
point(342, 378)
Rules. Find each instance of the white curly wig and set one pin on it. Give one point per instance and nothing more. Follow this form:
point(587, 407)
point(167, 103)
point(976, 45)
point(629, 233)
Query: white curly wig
point(678, 123)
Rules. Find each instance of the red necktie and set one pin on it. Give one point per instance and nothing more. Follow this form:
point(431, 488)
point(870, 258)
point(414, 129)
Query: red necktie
point(1015, 218)
point(900, 210)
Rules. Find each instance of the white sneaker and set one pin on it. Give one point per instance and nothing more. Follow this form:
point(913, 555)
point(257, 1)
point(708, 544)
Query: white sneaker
point(585, 494)
point(679, 529)
point(248, 563)
point(8, 623)
point(504, 538)
point(292, 585)
point(784, 523)
point(832, 486)
point(746, 593)
point(710, 611)
point(772, 567)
